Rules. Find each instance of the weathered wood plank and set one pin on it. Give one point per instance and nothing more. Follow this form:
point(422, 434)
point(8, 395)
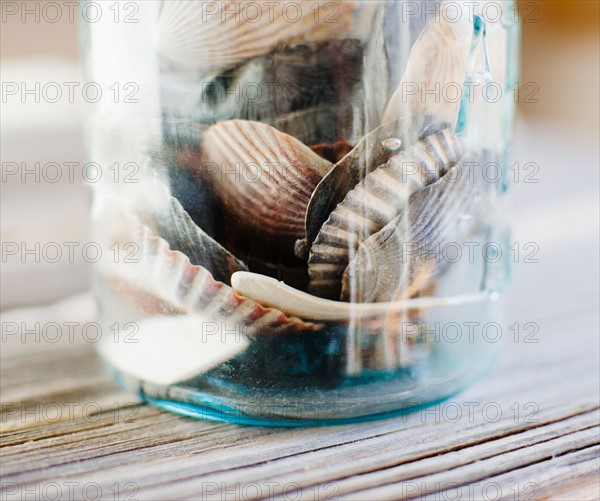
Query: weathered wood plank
point(180, 453)
point(549, 450)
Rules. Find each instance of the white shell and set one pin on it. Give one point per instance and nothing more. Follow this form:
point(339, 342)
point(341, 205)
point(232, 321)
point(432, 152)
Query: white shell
point(209, 36)
point(189, 351)
point(437, 62)
point(271, 292)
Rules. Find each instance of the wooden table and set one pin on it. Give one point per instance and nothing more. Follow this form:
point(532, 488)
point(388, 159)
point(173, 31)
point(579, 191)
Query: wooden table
point(530, 430)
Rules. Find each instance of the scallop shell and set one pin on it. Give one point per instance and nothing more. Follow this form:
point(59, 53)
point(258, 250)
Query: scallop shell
point(400, 259)
point(376, 72)
point(175, 226)
point(177, 286)
point(209, 37)
point(287, 80)
point(373, 203)
point(437, 60)
point(332, 152)
point(369, 153)
point(366, 16)
point(320, 124)
point(264, 177)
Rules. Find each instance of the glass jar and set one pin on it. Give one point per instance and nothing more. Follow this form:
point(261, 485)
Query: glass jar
point(299, 202)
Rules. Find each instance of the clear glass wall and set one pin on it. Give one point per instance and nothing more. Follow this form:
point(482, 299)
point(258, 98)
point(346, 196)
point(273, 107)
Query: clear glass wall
point(302, 219)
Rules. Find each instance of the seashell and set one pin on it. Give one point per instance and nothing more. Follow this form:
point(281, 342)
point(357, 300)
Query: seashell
point(321, 124)
point(289, 79)
point(366, 16)
point(376, 72)
point(228, 95)
point(177, 286)
point(437, 61)
point(373, 203)
point(175, 226)
point(193, 194)
point(191, 350)
point(294, 273)
point(263, 177)
point(370, 152)
point(270, 292)
point(332, 152)
point(308, 76)
point(400, 259)
point(209, 37)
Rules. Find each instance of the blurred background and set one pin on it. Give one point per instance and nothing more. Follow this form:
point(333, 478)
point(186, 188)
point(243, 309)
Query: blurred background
point(560, 53)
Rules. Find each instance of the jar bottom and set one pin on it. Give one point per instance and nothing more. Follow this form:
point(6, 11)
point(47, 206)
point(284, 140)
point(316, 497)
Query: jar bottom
point(371, 396)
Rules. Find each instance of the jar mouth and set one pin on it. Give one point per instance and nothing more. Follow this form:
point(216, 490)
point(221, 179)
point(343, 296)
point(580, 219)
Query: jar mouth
point(273, 293)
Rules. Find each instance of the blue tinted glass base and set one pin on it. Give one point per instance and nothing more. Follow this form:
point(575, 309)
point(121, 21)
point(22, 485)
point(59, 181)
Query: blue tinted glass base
point(355, 400)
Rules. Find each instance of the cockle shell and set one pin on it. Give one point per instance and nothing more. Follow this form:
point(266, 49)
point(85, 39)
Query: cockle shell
point(175, 226)
point(320, 124)
point(376, 72)
point(287, 80)
point(402, 259)
point(208, 37)
point(437, 63)
point(264, 177)
point(369, 153)
point(373, 203)
point(175, 285)
point(332, 152)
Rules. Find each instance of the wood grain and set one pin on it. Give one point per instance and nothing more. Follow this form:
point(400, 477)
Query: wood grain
point(530, 430)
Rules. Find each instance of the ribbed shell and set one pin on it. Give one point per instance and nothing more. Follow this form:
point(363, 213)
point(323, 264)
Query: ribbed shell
point(332, 152)
point(373, 203)
point(321, 124)
point(208, 37)
point(438, 57)
point(176, 226)
point(265, 178)
point(368, 154)
point(300, 87)
point(174, 284)
point(399, 260)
